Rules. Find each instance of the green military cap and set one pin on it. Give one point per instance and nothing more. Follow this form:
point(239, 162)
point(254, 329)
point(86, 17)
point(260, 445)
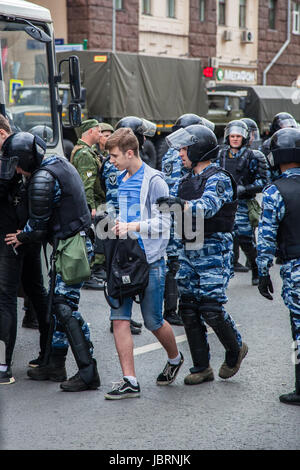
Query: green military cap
point(86, 125)
point(104, 126)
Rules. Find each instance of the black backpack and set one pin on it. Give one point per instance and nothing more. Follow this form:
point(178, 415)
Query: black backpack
point(127, 270)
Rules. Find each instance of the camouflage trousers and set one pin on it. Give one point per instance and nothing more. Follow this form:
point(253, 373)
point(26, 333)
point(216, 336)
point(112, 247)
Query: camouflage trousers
point(242, 226)
point(71, 294)
point(290, 274)
point(206, 277)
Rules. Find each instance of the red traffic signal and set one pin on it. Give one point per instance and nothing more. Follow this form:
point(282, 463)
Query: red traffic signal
point(208, 72)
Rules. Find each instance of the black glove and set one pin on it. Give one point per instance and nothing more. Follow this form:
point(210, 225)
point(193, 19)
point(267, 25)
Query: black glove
point(265, 286)
point(169, 201)
point(241, 190)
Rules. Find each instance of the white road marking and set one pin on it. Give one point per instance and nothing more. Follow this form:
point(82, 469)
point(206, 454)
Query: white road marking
point(155, 346)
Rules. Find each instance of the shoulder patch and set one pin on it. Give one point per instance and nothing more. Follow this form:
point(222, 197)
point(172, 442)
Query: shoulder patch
point(168, 168)
point(220, 188)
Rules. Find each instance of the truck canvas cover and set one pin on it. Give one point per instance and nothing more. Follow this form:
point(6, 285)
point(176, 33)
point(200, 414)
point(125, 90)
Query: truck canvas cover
point(263, 102)
point(156, 88)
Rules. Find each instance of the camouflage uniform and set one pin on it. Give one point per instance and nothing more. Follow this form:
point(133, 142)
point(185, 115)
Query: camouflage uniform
point(204, 274)
point(109, 179)
point(273, 211)
point(88, 164)
point(243, 228)
point(173, 170)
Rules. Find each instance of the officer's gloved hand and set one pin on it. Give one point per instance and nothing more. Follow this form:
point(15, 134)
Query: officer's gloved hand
point(265, 286)
point(241, 191)
point(168, 201)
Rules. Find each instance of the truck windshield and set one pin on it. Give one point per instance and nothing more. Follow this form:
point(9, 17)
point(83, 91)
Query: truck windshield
point(221, 102)
point(25, 91)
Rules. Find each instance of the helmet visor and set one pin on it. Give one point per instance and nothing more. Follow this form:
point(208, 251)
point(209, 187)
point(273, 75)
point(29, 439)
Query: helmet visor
point(148, 128)
point(288, 122)
point(181, 138)
point(236, 129)
point(208, 124)
point(8, 167)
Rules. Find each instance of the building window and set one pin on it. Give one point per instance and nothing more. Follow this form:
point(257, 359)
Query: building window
point(202, 10)
point(296, 18)
point(221, 13)
point(171, 8)
point(119, 4)
point(242, 14)
point(146, 7)
point(272, 14)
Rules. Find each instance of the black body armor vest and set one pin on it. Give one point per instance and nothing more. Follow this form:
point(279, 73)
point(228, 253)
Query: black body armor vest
point(72, 214)
point(237, 167)
point(288, 236)
point(193, 186)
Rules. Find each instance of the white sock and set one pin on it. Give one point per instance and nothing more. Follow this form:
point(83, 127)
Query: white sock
point(3, 367)
point(175, 361)
point(131, 379)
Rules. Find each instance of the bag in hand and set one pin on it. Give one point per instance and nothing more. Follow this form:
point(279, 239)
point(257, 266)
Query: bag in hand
point(127, 269)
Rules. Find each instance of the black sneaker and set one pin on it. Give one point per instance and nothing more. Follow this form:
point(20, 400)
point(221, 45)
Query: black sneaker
point(123, 389)
point(6, 377)
point(94, 284)
point(168, 375)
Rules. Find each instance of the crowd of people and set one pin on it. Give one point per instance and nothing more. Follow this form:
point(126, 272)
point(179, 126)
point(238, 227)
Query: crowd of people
point(58, 201)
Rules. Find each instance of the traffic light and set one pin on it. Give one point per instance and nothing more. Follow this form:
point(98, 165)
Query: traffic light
point(209, 72)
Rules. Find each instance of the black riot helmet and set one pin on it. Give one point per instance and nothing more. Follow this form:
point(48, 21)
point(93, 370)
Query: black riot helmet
point(141, 127)
point(190, 119)
point(236, 127)
point(28, 149)
point(201, 142)
point(43, 131)
point(253, 131)
point(282, 120)
point(285, 146)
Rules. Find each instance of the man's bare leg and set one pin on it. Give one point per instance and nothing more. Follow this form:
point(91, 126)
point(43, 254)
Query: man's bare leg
point(124, 346)
point(165, 336)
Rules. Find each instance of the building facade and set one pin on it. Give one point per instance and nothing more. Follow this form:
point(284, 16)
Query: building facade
point(245, 41)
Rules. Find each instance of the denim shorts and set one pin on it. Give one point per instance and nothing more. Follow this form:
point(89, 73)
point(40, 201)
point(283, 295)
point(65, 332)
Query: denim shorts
point(152, 303)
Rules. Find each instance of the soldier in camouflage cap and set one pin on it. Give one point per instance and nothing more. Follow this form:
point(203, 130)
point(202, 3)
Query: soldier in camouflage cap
point(88, 165)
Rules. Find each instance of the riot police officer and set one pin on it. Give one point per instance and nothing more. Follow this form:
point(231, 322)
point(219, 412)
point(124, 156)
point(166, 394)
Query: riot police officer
point(280, 121)
point(57, 211)
point(279, 228)
point(205, 271)
point(173, 170)
point(245, 167)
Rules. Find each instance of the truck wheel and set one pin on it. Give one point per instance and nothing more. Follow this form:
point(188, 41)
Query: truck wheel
point(149, 153)
point(161, 148)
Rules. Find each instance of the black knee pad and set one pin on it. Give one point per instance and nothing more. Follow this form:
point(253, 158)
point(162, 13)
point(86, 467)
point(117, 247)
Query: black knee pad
point(63, 313)
point(211, 311)
point(188, 307)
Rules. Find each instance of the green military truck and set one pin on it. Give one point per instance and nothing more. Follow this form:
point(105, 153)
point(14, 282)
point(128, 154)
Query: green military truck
point(159, 89)
point(257, 102)
point(223, 107)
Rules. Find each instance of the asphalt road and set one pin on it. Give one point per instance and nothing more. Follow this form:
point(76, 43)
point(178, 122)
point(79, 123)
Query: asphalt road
point(241, 413)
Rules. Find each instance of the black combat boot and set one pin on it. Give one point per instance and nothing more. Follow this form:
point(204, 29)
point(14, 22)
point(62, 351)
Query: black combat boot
point(293, 398)
point(78, 384)
point(238, 267)
point(55, 370)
